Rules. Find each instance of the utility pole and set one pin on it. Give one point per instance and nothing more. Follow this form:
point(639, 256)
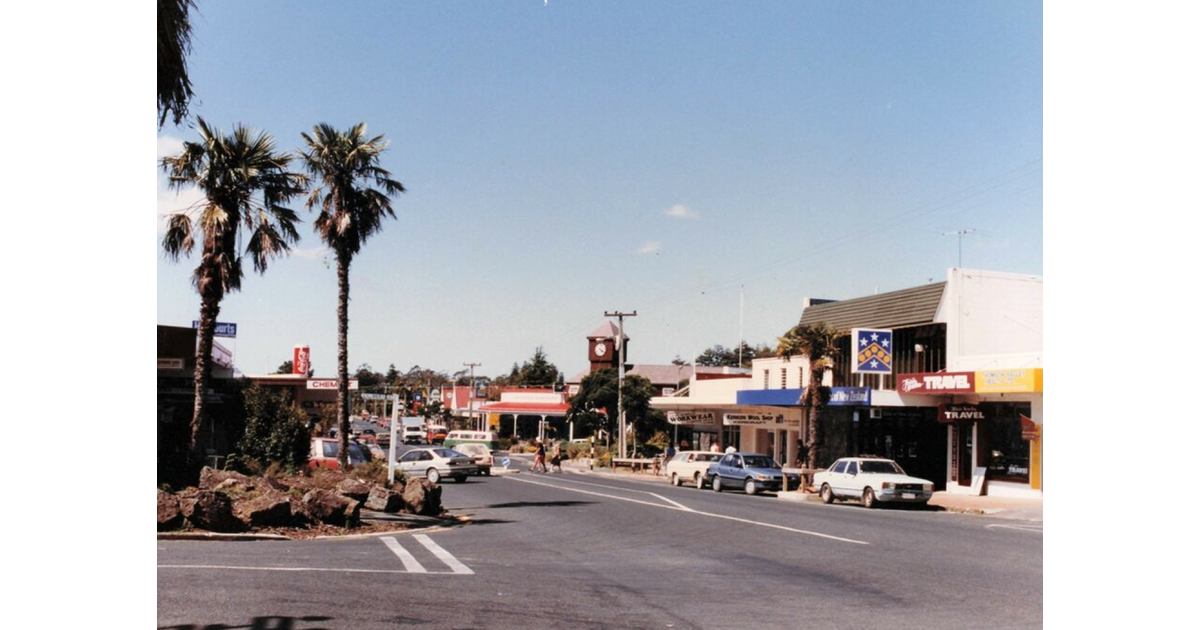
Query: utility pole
point(960, 234)
point(621, 374)
point(471, 395)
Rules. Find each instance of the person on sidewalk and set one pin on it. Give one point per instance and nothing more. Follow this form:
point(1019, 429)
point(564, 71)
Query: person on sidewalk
point(715, 448)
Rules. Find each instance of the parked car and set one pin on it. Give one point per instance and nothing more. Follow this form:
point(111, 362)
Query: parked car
point(872, 480)
point(481, 454)
point(752, 472)
point(323, 453)
point(689, 466)
point(433, 463)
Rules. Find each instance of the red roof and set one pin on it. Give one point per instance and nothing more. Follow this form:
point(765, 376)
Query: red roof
point(533, 409)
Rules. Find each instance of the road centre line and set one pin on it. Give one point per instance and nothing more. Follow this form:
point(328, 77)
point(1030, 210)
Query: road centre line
point(607, 487)
point(410, 562)
point(441, 554)
point(712, 514)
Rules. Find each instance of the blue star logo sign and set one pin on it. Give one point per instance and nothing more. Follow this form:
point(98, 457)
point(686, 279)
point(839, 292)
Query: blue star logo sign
point(873, 351)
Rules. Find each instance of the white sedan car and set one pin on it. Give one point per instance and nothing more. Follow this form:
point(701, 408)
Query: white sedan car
point(873, 480)
point(436, 462)
point(690, 466)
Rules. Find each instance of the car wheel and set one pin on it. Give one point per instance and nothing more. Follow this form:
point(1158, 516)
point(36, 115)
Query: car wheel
point(699, 481)
point(459, 478)
point(826, 493)
point(487, 472)
point(751, 488)
point(716, 484)
point(432, 475)
point(868, 498)
point(674, 479)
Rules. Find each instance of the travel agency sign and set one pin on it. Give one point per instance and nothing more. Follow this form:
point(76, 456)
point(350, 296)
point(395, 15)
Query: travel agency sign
point(1023, 380)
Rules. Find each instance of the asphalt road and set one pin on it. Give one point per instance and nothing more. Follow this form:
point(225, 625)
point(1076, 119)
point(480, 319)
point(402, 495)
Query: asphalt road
point(588, 551)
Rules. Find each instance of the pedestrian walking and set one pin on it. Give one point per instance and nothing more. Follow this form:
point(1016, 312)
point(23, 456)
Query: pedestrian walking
point(539, 458)
point(715, 448)
point(556, 461)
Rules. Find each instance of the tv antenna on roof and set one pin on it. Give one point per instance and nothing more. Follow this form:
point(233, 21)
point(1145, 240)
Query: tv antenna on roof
point(960, 234)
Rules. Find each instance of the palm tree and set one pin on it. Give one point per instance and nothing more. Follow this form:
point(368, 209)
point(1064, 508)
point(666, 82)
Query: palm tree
point(344, 165)
point(819, 343)
point(245, 184)
point(174, 43)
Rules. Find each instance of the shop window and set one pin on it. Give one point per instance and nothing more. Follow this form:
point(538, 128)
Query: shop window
point(1005, 453)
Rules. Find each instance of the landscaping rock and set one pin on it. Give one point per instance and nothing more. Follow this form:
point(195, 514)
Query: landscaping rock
point(331, 508)
point(210, 478)
point(423, 497)
point(169, 516)
point(269, 509)
point(383, 500)
point(208, 510)
point(354, 489)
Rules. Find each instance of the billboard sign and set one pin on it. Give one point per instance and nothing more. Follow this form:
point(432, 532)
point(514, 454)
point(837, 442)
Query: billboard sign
point(751, 419)
point(937, 383)
point(872, 351)
point(1008, 381)
point(691, 417)
point(849, 396)
point(301, 360)
point(949, 414)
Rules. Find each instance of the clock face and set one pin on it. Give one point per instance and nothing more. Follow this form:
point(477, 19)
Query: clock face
point(601, 349)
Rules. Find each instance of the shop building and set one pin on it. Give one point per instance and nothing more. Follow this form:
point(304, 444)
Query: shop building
point(528, 412)
point(961, 404)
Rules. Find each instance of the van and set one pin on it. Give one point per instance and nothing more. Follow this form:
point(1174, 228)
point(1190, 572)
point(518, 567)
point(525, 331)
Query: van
point(413, 434)
point(486, 438)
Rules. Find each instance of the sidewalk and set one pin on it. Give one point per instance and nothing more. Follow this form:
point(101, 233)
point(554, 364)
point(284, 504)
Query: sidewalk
point(1005, 507)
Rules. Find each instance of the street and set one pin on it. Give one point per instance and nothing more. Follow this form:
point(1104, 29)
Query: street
point(593, 551)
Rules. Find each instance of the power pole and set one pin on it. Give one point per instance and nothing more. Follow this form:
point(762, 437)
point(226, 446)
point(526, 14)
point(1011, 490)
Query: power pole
point(471, 395)
point(621, 374)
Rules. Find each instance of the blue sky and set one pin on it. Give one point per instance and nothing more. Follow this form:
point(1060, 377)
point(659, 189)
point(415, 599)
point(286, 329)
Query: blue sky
point(568, 158)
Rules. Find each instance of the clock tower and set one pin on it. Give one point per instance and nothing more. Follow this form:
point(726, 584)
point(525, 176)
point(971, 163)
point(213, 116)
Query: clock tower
point(602, 348)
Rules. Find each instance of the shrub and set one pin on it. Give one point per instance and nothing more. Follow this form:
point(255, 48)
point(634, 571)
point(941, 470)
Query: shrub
point(276, 432)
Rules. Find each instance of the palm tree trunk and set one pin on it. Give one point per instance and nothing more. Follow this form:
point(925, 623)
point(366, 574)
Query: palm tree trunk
point(210, 307)
point(343, 313)
point(812, 401)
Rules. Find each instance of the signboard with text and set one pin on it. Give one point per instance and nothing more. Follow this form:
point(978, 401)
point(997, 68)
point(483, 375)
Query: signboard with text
point(937, 383)
point(224, 329)
point(948, 414)
point(691, 417)
point(329, 383)
point(751, 419)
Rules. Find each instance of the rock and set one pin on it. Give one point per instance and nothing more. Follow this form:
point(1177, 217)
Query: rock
point(210, 478)
point(208, 510)
point(169, 516)
point(353, 489)
point(331, 508)
point(383, 500)
point(269, 509)
point(422, 497)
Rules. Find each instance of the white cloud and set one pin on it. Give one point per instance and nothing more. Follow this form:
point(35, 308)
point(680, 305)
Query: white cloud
point(311, 253)
point(651, 247)
point(680, 211)
point(168, 145)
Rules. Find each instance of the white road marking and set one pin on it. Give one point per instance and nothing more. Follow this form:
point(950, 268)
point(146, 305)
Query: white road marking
point(1024, 528)
point(243, 568)
point(443, 555)
point(680, 509)
point(410, 562)
point(675, 503)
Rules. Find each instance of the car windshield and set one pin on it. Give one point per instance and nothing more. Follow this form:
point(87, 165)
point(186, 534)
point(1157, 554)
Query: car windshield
point(759, 461)
point(881, 467)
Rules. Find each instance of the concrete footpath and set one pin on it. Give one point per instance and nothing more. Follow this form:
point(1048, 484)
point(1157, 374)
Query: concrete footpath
point(1003, 507)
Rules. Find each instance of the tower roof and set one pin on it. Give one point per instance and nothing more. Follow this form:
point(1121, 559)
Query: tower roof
point(607, 330)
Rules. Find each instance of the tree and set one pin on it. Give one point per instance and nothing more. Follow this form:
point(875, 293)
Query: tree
point(174, 44)
point(245, 184)
point(284, 368)
point(595, 406)
point(819, 343)
point(537, 372)
point(276, 431)
point(741, 355)
point(344, 167)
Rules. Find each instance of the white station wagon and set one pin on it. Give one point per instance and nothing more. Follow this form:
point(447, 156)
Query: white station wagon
point(873, 480)
point(690, 466)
